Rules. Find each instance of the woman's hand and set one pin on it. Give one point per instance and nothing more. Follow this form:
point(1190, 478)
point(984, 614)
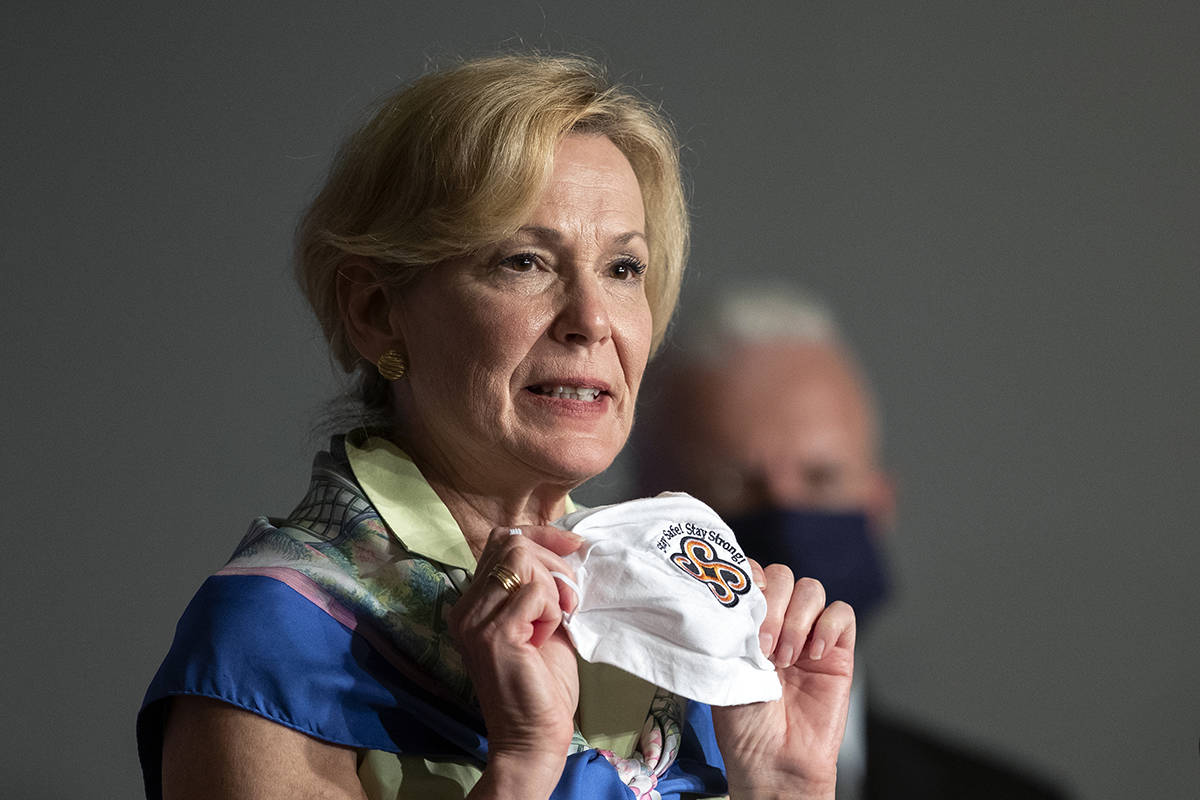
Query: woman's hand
point(520, 659)
point(788, 748)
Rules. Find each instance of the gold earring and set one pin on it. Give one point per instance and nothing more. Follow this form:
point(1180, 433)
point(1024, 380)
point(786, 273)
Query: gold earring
point(391, 365)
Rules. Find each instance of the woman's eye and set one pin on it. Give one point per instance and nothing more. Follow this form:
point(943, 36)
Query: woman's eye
point(520, 262)
point(628, 268)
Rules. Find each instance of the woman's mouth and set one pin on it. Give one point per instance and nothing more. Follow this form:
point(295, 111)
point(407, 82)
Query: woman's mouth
point(588, 394)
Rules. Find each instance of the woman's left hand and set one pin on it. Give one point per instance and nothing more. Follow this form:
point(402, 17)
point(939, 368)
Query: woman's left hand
point(789, 747)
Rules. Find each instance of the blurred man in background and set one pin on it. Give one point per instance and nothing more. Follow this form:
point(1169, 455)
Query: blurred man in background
point(758, 408)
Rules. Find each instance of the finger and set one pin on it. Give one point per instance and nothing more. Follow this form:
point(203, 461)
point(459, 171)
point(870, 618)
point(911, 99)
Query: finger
point(532, 613)
point(805, 605)
point(776, 584)
point(488, 590)
point(549, 618)
point(835, 627)
point(560, 543)
point(556, 540)
point(495, 548)
point(493, 595)
point(569, 594)
point(757, 575)
point(502, 545)
point(756, 572)
point(533, 539)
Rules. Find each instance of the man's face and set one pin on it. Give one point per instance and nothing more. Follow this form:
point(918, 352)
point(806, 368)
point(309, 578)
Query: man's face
point(780, 424)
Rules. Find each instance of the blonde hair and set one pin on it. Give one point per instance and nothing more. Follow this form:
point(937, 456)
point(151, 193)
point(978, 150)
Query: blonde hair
point(457, 160)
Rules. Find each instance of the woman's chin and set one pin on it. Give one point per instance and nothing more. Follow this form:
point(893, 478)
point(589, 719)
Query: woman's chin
point(570, 464)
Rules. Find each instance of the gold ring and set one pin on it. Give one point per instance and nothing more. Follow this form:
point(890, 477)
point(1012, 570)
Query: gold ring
point(506, 578)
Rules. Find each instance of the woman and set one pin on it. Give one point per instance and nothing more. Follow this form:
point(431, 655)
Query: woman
point(496, 252)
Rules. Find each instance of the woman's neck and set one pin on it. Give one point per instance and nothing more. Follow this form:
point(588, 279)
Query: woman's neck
point(488, 497)
point(478, 512)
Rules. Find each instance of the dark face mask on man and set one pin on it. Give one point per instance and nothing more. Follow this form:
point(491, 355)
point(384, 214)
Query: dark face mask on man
point(836, 548)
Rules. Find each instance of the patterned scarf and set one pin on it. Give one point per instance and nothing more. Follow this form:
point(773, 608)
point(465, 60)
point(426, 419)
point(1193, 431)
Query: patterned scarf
point(337, 551)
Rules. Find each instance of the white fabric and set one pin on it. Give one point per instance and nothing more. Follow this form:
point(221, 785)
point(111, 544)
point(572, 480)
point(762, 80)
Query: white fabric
point(665, 593)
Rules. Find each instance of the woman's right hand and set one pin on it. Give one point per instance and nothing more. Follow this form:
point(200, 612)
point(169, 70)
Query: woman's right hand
point(520, 660)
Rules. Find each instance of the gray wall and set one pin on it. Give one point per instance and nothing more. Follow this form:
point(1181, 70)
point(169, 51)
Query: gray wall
point(1002, 200)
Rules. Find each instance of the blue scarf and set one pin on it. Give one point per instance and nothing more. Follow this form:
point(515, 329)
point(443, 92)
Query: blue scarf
point(332, 624)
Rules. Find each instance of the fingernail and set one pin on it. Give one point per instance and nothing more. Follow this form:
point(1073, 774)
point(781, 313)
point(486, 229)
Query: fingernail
point(817, 649)
point(783, 656)
point(765, 640)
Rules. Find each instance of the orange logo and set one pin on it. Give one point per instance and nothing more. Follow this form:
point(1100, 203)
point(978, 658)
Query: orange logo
point(698, 559)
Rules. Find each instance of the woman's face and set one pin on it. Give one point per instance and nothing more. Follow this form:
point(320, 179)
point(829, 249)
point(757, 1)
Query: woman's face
point(525, 359)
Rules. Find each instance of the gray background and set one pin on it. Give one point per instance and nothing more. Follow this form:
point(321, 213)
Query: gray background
point(1001, 199)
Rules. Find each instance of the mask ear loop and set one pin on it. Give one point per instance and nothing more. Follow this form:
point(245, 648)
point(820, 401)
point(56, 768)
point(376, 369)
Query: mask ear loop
point(575, 587)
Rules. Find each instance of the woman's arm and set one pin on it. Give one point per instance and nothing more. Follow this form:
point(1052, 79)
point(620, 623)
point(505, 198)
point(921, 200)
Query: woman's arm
point(213, 750)
point(519, 659)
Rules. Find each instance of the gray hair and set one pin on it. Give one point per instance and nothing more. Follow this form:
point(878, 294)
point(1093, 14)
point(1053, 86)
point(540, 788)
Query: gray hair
point(729, 318)
point(709, 333)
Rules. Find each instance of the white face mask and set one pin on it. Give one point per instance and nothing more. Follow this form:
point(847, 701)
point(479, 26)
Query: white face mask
point(665, 592)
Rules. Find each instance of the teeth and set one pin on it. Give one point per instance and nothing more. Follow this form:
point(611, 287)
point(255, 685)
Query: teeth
point(584, 393)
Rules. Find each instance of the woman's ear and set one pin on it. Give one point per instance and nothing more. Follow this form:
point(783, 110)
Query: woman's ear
point(366, 308)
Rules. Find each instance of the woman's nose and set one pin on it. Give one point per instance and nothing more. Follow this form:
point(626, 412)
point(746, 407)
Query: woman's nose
point(583, 318)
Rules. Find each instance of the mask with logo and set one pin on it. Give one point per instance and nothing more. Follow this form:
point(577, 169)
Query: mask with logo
point(665, 592)
point(836, 548)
